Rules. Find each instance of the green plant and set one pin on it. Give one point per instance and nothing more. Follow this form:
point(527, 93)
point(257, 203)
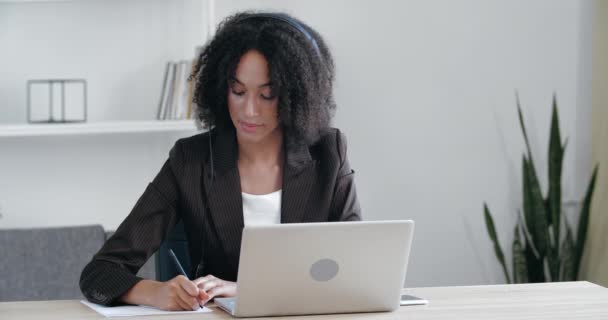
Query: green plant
point(540, 252)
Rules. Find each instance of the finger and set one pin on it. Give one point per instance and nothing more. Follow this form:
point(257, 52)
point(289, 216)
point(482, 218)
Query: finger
point(203, 279)
point(188, 286)
point(180, 303)
point(187, 302)
point(209, 285)
point(209, 293)
point(183, 305)
point(203, 296)
point(218, 292)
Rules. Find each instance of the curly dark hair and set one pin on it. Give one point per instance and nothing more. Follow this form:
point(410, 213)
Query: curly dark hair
point(301, 77)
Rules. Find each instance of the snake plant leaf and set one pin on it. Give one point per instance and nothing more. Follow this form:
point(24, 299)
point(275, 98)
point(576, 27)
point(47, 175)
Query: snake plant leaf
point(534, 264)
point(523, 126)
point(492, 233)
point(535, 214)
point(554, 197)
point(535, 207)
point(526, 233)
point(527, 199)
point(553, 263)
point(554, 193)
point(567, 272)
point(583, 222)
point(540, 217)
point(520, 270)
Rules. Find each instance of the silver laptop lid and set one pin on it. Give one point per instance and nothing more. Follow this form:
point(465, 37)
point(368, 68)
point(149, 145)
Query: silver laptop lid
point(315, 268)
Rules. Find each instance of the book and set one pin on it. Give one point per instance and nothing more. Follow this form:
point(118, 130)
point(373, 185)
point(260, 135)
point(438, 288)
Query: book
point(183, 89)
point(191, 85)
point(170, 88)
point(163, 94)
point(176, 101)
point(176, 91)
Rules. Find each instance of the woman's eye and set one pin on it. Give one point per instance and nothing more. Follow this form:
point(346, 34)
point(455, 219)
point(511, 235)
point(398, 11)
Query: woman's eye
point(267, 97)
point(238, 93)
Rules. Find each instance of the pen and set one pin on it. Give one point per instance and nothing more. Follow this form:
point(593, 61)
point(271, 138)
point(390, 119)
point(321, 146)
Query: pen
point(178, 265)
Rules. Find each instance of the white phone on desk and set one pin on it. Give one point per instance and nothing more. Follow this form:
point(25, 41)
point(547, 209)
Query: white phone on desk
point(407, 300)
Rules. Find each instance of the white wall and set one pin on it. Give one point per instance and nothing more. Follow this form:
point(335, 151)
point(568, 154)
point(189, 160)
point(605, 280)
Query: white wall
point(425, 93)
point(74, 180)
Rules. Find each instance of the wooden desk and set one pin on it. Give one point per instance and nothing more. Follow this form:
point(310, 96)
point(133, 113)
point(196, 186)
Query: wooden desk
point(565, 300)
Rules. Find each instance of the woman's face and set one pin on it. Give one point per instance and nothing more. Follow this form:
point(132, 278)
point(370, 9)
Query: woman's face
point(252, 102)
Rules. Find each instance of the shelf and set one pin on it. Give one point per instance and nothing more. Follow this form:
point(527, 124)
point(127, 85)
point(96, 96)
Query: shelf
point(46, 129)
point(31, 1)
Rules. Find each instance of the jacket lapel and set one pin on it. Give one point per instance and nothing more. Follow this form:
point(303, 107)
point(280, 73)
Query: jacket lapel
point(298, 180)
point(223, 188)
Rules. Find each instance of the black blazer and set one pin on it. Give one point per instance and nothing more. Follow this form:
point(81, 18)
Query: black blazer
point(317, 186)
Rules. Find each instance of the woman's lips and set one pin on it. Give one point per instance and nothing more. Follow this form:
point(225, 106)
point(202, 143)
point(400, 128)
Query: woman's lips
point(249, 127)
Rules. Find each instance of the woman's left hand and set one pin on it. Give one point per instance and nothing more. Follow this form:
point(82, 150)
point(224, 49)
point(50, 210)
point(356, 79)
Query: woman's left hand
point(214, 287)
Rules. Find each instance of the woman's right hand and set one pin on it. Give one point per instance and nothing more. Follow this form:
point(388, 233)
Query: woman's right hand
point(177, 294)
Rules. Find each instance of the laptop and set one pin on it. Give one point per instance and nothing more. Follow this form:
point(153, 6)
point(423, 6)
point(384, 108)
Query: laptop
point(321, 268)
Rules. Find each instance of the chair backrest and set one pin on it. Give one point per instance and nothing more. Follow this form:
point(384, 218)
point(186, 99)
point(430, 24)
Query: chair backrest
point(176, 240)
point(45, 264)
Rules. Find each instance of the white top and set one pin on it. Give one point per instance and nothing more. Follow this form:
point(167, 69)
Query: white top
point(262, 209)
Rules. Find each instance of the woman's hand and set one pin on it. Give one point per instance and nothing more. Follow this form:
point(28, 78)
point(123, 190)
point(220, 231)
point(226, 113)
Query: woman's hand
point(179, 293)
point(211, 287)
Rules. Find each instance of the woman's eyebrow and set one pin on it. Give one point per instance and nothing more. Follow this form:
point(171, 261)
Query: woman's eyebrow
point(268, 84)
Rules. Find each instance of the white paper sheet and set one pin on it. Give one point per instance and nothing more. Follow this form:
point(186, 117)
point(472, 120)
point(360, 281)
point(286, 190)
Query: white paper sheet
point(131, 311)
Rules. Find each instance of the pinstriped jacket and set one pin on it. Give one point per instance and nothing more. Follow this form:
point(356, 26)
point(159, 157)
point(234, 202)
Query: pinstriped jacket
point(317, 186)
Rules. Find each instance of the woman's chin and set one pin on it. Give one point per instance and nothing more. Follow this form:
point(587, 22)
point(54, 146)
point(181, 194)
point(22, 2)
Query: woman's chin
point(251, 137)
point(257, 136)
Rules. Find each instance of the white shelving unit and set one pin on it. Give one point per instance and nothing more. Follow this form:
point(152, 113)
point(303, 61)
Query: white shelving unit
point(33, 130)
point(120, 47)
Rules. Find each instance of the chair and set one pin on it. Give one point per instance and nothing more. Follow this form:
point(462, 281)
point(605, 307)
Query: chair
point(45, 263)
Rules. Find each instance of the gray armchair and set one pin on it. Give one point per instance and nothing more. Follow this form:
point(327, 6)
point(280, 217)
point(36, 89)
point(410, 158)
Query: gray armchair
point(45, 263)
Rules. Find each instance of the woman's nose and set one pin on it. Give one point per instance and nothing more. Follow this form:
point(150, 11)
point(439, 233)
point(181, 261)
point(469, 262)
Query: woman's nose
point(251, 108)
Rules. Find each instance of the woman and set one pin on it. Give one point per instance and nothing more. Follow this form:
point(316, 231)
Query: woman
point(264, 86)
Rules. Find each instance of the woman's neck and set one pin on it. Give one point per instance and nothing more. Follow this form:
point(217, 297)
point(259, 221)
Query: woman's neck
point(266, 152)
